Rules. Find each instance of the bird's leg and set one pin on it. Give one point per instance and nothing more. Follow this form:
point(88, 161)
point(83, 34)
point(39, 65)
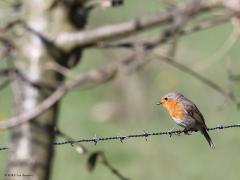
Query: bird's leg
point(170, 132)
point(178, 132)
point(187, 131)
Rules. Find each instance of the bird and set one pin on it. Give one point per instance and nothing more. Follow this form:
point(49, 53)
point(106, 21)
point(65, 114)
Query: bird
point(185, 113)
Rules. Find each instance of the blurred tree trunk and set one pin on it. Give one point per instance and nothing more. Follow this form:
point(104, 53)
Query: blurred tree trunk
point(31, 149)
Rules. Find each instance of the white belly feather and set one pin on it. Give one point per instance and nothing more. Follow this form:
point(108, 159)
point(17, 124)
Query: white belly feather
point(179, 122)
point(184, 123)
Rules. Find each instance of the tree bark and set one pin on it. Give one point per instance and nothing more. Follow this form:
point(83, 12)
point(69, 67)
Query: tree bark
point(31, 151)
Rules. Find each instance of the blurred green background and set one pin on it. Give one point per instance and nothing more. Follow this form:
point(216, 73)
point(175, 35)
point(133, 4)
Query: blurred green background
point(127, 106)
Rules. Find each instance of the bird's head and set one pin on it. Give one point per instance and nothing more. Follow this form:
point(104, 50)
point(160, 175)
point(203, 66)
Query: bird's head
point(169, 97)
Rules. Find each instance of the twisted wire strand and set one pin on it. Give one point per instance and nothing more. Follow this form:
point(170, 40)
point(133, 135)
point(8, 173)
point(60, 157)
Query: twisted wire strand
point(145, 135)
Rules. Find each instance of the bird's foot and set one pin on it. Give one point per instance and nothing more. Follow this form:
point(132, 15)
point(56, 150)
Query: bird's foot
point(188, 131)
point(178, 132)
point(170, 132)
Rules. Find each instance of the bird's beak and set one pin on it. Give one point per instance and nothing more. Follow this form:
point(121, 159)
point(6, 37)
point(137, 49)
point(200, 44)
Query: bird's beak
point(160, 103)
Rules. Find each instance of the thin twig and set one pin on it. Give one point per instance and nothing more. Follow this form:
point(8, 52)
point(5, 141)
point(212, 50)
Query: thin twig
point(220, 53)
point(229, 74)
point(77, 146)
point(196, 75)
point(4, 84)
point(235, 77)
point(165, 36)
point(6, 72)
point(95, 76)
point(10, 25)
point(106, 163)
point(91, 37)
point(82, 150)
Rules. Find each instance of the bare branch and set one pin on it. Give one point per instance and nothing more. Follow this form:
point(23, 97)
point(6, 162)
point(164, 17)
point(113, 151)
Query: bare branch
point(54, 66)
point(4, 84)
point(5, 72)
point(196, 75)
point(106, 163)
point(90, 37)
point(96, 76)
point(8, 45)
point(78, 147)
point(10, 25)
point(229, 74)
point(102, 75)
point(93, 155)
point(235, 77)
point(221, 52)
point(163, 38)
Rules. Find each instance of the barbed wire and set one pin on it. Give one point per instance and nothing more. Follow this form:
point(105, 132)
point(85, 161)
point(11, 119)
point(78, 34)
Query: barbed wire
point(4, 148)
point(145, 135)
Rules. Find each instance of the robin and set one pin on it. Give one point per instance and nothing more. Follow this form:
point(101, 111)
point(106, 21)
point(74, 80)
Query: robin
point(185, 113)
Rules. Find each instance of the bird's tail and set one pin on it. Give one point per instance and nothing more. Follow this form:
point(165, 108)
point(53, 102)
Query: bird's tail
point(208, 138)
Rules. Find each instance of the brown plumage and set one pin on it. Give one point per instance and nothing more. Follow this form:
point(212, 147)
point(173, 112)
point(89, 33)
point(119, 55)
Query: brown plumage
point(185, 113)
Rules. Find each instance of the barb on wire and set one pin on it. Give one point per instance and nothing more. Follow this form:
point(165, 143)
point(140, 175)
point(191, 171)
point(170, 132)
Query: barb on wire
point(145, 135)
point(93, 157)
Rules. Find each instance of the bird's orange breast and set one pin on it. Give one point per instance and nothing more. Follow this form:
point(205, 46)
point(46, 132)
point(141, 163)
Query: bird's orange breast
point(174, 108)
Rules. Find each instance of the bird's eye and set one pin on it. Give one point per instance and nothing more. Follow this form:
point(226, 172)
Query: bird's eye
point(165, 99)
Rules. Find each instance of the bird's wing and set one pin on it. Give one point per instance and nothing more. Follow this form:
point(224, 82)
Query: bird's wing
point(192, 111)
